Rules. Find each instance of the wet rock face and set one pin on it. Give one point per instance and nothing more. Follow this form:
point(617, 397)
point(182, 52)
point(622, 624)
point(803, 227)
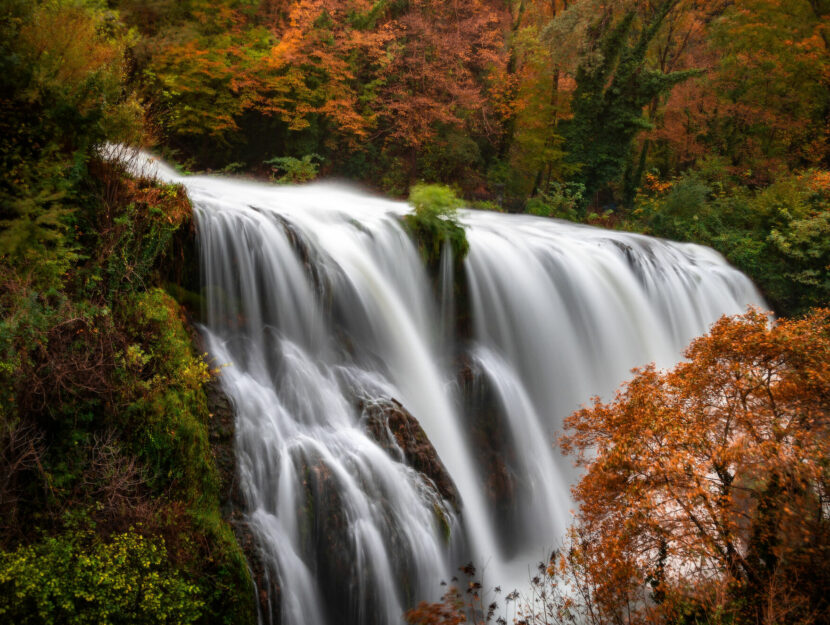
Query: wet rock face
point(327, 540)
point(491, 439)
point(401, 436)
point(222, 430)
point(495, 452)
point(327, 529)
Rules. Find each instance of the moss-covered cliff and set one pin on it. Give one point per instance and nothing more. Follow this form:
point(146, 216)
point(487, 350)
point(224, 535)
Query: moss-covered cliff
point(114, 470)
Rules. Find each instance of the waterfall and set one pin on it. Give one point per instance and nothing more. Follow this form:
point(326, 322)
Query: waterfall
point(331, 334)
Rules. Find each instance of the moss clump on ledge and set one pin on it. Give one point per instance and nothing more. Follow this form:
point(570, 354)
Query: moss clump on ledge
point(434, 223)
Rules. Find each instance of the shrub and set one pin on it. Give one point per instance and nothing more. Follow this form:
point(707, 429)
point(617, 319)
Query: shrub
point(778, 235)
point(561, 200)
point(294, 170)
point(76, 578)
point(450, 156)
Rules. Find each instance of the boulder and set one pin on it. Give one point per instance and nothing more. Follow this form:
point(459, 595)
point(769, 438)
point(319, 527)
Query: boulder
point(398, 432)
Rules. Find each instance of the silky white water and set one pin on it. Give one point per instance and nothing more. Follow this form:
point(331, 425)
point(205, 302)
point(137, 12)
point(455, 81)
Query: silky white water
point(319, 307)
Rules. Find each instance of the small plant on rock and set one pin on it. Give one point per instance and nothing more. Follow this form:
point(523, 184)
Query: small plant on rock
point(435, 222)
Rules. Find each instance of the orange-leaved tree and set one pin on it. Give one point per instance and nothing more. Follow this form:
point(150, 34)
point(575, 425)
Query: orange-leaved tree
point(706, 492)
point(705, 498)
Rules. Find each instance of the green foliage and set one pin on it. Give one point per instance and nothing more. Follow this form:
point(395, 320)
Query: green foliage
point(434, 223)
point(294, 170)
point(612, 89)
point(78, 578)
point(777, 235)
point(61, 80)
point(452, 156)
point(109, 427)
point(168, 401)
point(434, 201)
point(561, 200)
point(103, 410)
point(169, 414)
point(369, 19)
point(683, 213)
point(486, 205)
point(103, 407)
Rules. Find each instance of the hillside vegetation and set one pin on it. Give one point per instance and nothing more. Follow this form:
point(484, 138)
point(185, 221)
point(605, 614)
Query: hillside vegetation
point(109, 491)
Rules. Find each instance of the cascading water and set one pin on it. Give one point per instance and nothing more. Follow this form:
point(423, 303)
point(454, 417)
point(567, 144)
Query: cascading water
point(318, 303)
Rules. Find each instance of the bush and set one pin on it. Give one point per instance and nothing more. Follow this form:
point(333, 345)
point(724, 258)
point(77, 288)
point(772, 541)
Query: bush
point(76, 578)
point(294, 170)
point(435, 222)
point(561, 200)
point(779, 235)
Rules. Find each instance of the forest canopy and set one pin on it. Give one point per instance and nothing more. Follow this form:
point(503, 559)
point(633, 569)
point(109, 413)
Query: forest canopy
point(670, 118)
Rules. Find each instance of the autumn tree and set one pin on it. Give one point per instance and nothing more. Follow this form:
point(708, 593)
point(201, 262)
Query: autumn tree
point(706, 490)
point(322, 75)
point(434, 110)
point(705, 498)
point(202, 76)
point(772, 85)
point(532, 96)
point(761, 104)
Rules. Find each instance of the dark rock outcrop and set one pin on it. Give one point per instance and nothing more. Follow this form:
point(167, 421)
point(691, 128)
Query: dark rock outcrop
point(494, 451)
point(222, 430)
point(327, 540)
point(398, 432)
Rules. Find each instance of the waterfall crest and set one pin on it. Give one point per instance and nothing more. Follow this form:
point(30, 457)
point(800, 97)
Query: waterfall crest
point(319, 305)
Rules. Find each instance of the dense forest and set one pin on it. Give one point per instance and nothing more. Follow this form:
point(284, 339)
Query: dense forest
point(705, 496)
point(699, 120)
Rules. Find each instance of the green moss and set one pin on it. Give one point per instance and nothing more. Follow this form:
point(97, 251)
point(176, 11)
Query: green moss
point(434, 223)
point(165, 379)
point(443, 522)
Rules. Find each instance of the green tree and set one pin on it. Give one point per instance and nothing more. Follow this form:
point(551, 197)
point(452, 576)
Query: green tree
point(78, 579)
point(614, 84)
